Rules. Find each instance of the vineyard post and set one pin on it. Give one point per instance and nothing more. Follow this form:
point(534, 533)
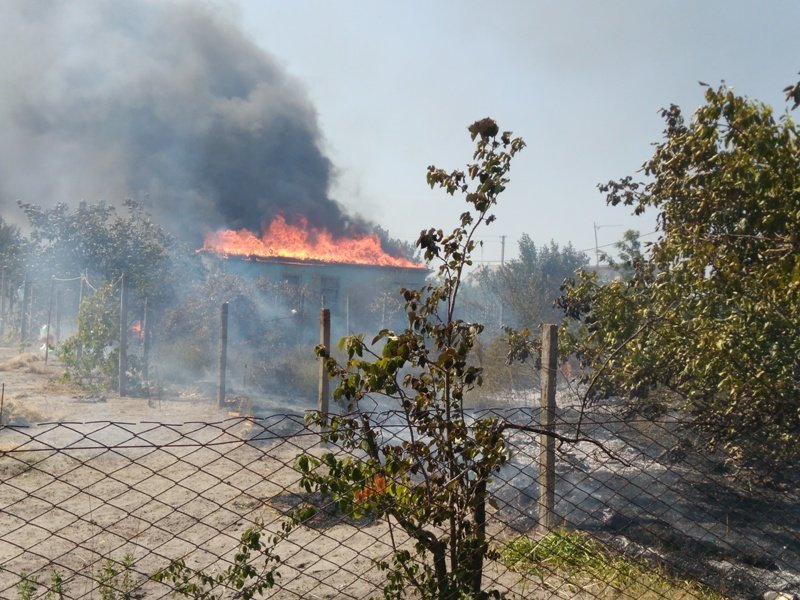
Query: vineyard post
point(223, 353)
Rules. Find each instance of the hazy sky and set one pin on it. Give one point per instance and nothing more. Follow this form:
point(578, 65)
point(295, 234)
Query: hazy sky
point(396, 83)
point(224, 113)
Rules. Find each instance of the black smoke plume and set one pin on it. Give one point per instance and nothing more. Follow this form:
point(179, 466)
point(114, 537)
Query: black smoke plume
point(164, 101)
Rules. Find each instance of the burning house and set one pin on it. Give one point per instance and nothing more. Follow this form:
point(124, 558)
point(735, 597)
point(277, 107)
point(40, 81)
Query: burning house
point(352, 276)
point(206, 130)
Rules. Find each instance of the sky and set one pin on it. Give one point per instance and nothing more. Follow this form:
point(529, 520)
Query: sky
point(225, 113)
point(395, 84)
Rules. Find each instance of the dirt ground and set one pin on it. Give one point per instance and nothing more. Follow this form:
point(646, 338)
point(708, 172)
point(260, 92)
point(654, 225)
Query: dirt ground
point(170, 478)
point(89, 482)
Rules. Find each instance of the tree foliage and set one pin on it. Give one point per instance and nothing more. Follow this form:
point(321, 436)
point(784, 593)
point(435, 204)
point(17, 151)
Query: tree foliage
point(529, 286)
point(13, 256)
point(95, 239)
point(95, 243)
point(91, 355)
point(713, 313)
point(11, 247)
point(629, 251)
point(430, 481)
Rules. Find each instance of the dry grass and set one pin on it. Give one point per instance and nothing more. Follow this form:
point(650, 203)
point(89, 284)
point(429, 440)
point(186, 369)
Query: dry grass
point(17, 413)
point(27, 362)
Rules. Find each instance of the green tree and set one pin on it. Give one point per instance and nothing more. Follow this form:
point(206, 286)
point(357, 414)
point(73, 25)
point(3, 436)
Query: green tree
point(96, 239)
point(91, 355)
point(713, 313)
point(629, 250)
point(432, 484)
point(529, 286)
point(13, 255)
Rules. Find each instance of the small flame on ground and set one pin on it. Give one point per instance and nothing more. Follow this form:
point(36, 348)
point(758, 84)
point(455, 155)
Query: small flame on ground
point(302, 242)
point(137, 329)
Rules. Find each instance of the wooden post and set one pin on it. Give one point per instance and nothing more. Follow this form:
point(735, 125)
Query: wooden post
point(58, 317)
point(347, 315)
point(49, 320)
point(79, 351)
point(26, 294)
point(223, 353)
point(29, 333)
point(123, 334)
point(547, 444)
point(3, 302)
point(324, 380)
point(146, 344)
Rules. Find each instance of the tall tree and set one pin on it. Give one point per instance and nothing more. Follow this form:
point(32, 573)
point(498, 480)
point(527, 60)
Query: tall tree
point(529, 286)
point(433, 485)
point(97, 239)
point(713, 313)
point(13, 253)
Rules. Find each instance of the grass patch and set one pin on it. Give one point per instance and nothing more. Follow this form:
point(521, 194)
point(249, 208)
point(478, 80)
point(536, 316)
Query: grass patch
point(566, 560)
point(26, 362)
point(17, 413)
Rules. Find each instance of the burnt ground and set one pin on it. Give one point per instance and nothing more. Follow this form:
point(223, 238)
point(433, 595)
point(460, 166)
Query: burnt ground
point(666, 500)
point(673, 502)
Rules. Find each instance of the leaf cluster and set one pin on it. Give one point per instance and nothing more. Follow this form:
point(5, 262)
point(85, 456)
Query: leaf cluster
point(528, 287)
point(713, 314)
point(96, 240)
point(252, 572)
point(91, 355)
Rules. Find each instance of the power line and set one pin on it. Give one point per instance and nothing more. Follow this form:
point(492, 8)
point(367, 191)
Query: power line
point(638, 237)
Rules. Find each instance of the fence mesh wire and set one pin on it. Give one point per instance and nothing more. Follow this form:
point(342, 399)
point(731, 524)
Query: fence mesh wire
point(94, 509)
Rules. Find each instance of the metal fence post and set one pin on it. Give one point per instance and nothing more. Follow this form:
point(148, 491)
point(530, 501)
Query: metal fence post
point(223, 353)
point(547, 446)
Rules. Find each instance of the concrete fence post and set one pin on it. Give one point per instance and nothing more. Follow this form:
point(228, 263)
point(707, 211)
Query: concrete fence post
point(547, 446)
point(223, 353)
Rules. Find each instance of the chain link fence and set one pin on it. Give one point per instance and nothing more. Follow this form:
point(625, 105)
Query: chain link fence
point(93, 510)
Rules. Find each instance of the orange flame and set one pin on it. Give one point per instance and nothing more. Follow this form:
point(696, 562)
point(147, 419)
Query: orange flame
point(137, 329)
point(282, 240)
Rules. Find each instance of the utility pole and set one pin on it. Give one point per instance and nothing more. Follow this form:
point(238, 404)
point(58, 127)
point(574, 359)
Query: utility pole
point(596, 247)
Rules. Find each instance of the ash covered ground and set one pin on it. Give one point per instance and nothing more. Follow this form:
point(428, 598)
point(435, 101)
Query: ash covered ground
point(658, 495)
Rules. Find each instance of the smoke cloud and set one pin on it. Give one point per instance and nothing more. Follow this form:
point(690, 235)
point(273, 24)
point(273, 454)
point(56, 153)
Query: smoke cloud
point(166, 102)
